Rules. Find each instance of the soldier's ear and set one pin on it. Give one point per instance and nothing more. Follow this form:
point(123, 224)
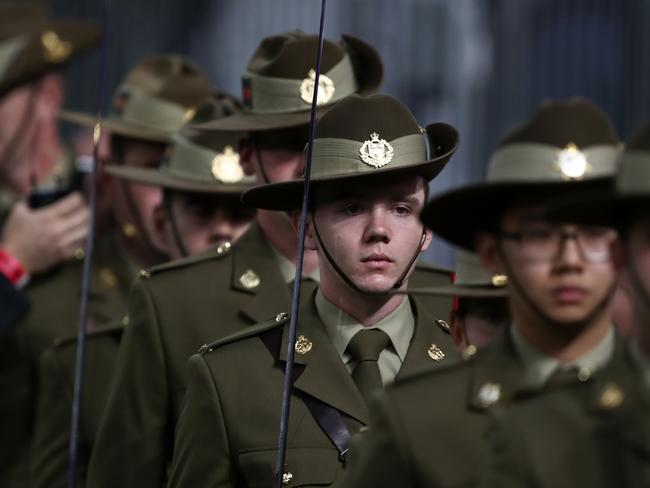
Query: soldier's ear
point(428, 236)
point(246, 157)
point(311, 243)
point(485, 246)
point(160, 221)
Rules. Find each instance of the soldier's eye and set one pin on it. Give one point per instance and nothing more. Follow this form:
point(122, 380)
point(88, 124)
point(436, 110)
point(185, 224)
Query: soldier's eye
point(352, 209)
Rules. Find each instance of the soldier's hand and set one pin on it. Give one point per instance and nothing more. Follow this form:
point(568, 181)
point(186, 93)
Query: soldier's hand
point(44, 237)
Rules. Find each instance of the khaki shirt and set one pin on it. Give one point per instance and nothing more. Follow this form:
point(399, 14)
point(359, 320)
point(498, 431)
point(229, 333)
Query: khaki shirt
point(341, 328)
point(539, 367)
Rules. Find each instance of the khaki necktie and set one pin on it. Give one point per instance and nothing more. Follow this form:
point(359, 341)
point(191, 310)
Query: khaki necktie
point(365, 347)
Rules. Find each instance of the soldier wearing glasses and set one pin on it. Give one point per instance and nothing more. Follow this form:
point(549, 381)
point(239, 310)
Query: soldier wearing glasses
point(561, 279)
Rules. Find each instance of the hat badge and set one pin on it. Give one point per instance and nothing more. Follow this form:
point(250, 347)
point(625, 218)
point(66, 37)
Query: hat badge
point(326, 88)
point(572, 162)
point(226, 167)
point(55, 49)
point(376, 152)
point(499, 280)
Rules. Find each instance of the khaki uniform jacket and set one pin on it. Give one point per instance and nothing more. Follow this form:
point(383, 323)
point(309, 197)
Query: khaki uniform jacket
point(53, 314)
point(428, 430)
point(228, 431)
point(49, 460)
point(595, 434)
point(173, 310)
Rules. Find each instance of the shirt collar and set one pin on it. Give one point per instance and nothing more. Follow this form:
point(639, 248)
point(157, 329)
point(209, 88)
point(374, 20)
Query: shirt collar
point(288, 268)
point(539, 366)
point(340, 327)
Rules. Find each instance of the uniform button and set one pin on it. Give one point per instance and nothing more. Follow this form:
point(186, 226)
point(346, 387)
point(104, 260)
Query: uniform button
point(286, 478)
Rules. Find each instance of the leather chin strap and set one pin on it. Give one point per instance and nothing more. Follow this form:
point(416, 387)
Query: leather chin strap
point(351, 283)
point(544, 317)
point(178, 239)
point(139, 224)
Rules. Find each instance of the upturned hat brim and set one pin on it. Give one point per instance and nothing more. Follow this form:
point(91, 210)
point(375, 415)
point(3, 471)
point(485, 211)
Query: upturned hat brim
point(287, 195)
point(605, 208)
point(115, 126)
point(458, 215)
point(368, 71)
point(149, 176)
point(31, 62)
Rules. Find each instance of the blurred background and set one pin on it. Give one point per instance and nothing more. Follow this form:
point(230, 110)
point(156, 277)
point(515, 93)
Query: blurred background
point(481, 65)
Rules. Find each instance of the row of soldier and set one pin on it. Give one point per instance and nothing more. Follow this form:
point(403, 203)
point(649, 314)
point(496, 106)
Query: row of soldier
point(531, 382)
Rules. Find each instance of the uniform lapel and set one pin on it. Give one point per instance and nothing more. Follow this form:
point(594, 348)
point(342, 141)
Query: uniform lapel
point(323, 374)
point(257, 273)
point(429, 345)
point(626, 417)
point(497, 373)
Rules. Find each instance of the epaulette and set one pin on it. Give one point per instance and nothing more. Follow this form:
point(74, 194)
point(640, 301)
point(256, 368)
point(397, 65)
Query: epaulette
point(214, 253)
point(252, 331)
point(433, 268)
point(114, 328)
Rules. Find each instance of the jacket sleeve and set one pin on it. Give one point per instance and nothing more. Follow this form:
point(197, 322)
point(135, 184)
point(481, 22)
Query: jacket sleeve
point(202, 455)
point(49, 460)
point(134, 439)
point(13, 305)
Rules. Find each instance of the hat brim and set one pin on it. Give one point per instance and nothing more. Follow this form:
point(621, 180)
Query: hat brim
point(288, 195)
point(368, 70)
point(149, 176)
point(462, 291)
point(458, 215)
point(30, 63)
point(115, 126)
point(606, 208)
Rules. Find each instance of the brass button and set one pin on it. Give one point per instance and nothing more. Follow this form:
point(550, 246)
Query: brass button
point(281, 316)
point(469, 351)
point(286, 478)
point(144, 274)
point(584, 374)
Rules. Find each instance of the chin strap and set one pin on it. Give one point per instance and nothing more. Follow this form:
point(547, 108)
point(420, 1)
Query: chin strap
point(295, 299)
point(85, 278)
point(348, 281)
point(178, 239)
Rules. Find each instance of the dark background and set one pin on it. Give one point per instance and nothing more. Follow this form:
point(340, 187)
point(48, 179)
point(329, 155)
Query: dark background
point(482, 65)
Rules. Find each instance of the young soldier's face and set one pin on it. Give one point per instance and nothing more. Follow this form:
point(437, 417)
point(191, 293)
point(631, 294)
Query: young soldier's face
point(130, 198)
point(202, 221)
point(566, 272)
point(371, 229)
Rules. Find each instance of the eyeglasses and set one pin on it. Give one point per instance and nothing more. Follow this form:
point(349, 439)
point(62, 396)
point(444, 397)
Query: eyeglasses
point(544, 242)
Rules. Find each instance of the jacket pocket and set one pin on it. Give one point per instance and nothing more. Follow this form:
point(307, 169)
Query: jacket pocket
point(304, 466)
